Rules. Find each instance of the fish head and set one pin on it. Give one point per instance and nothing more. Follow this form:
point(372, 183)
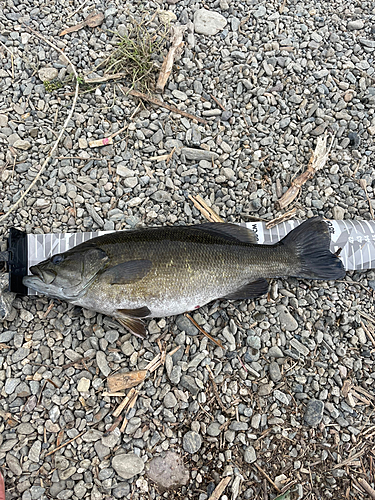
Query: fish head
point(67, 275)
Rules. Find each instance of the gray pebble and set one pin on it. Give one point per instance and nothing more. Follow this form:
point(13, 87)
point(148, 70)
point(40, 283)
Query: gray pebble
point(214, 429)
point(127, 465)
point(250, 455)
point(287, 321)
point(208, 22)
point(314, 412)
point(275, 373)
point(192, 442)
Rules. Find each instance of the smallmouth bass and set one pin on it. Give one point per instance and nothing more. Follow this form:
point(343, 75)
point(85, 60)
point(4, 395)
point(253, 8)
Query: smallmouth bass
point(165, 271)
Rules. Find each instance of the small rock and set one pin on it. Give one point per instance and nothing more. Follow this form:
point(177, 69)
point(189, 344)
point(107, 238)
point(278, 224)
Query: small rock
point(34, 453)
point(275, 352)
point(199, 154)
point(250, 455)
point(83, 385)
point(47, 74)
point(356, 24)
point(354, 139)
point(338, 213)
point(314, 412)
point(124, 171)
point(185, 325)
point(275, 373)
point(127, 465)
point(188, 383)
point(161, 197)
point(13, 464)
point(261, 12)
point(207, 22)
point(92, 435)
point(166, 16)
point(168, 471)
point(3, 121)
point(36, 492)
point(213, 429)
point(192, 442)
point(21, 144)
point(265, 390)
point(179, 95)
point(130, 182)
point(101, 361)
point(11, 384)
point(287, 321)
point(82, 143)
point(170, 400)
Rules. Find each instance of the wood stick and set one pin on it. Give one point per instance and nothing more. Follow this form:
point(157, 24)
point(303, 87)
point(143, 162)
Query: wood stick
point(220, 488)
point(105, 78)
point(218, 102)
point(136, 93)
point(217, 342)
point(204, 209)
point(367, 331)
point(65, 444)
point(125, 401)
point(267, 477)
point(317, 161)
point(282, 218)
point(131, 405)
point(366, 487)
point(177, 33)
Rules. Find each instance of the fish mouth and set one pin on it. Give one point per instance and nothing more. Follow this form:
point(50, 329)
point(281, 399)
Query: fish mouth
point(47, 277)
point(38, 279)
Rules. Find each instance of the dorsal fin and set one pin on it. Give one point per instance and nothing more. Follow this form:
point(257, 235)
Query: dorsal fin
point(232, 232)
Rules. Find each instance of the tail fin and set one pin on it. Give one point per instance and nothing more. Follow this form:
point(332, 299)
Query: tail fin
point(310, 243)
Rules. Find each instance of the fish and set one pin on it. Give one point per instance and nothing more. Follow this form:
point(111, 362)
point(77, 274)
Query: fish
point(165, 271)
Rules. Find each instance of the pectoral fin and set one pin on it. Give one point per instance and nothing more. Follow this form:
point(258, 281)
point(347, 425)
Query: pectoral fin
point(251, 290)
point(130, 319)
point(127, 272)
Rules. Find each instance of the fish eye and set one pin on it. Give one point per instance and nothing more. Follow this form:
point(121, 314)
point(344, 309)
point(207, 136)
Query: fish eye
point(57, 259)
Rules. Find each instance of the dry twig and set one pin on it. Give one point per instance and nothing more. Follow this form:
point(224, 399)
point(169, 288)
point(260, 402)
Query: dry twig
point(217, 342)
point(131, 405)
point(220, 488)
point(177, 33)
point(366, 487)
point(136, 93)
point(68, 118)
point(65, 444)
point(92, 20)
point(317, 161)
point(204, 209)
point(282, 218)
point(124, 403)
point(267, 477)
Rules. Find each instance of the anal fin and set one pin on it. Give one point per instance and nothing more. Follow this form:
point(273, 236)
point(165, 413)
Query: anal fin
point(130, 319)
point(134, 325)
point(251, 290)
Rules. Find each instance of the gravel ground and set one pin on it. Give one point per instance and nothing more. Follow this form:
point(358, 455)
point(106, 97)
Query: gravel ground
point(288, 403)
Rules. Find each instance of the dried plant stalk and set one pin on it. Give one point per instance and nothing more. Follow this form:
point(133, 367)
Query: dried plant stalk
point(282, 218)
point(204, 209)
point(317, 161)
point(218, 491)
point(177, 33)
point(120, 381)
